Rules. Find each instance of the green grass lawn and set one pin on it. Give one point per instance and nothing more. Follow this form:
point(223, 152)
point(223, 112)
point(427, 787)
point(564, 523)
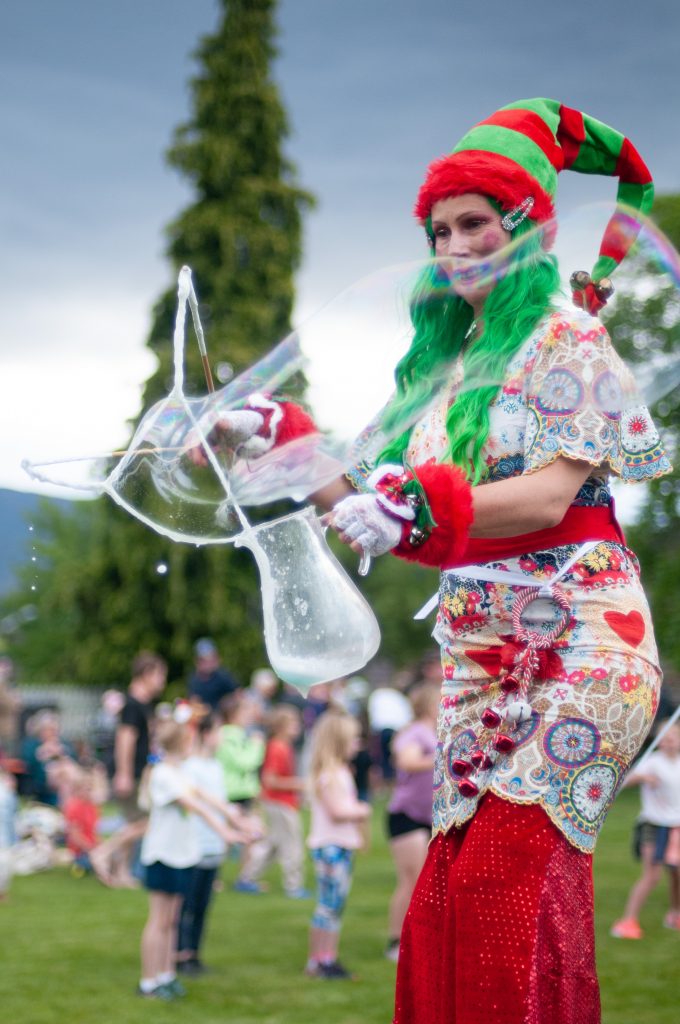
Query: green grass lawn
point(69, 951)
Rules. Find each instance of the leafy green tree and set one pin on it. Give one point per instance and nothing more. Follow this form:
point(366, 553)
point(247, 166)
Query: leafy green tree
point(107, 585)
point(646, 327)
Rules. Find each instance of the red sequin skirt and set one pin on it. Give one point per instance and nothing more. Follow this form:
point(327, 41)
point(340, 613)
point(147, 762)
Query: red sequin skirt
point(500, 926)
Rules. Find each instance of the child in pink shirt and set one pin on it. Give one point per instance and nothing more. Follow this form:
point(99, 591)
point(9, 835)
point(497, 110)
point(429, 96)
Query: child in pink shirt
point(335, 833)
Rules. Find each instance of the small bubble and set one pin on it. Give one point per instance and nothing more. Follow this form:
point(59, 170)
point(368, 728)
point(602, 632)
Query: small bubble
point(224, 372)
point(30, 529)
point(161, 568)
point(33, 586)
point(33, 558)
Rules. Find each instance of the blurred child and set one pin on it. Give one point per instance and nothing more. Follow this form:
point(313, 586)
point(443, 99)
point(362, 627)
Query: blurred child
point(241, 747)
point(81, 814)
point(241, 753)
point(204, 770)
point(409, 812)
point(8, 810)
point(658, 833)
point(335, 833)
point(170, 849)
point(281, 789)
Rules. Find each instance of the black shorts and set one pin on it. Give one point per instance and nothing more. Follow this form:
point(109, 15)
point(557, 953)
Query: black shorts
point(399, 824)
point(162, 878)
point(656, 836)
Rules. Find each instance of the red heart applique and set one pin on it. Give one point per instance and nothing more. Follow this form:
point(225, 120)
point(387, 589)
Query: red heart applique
point(630, 627)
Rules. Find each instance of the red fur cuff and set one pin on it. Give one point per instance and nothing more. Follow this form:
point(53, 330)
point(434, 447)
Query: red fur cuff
point(281, 422)
point(295, 423)
point(449, 496)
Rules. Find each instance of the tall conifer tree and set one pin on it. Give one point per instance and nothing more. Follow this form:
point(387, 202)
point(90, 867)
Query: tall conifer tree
point(101, 596)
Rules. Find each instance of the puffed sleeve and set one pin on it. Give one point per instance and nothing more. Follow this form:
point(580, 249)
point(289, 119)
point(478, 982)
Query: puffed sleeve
point(583, 404)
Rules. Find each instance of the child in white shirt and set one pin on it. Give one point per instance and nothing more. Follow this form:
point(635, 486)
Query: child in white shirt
point(659, 833)
point(206, 773)
point(170, 849)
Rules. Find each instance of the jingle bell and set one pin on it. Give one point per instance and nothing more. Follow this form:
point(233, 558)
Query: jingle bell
point(604, 288)
point(518, 711)
point(481, 760)
point(503, 744)
point(579, 279)
point(510, 683)
point(467, 788)
point(461, 767)
point(491, 718)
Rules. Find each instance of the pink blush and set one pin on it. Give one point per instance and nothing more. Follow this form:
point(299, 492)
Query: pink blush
point(491, 241)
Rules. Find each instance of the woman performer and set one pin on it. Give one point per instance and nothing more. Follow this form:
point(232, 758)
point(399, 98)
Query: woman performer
point(551, 674)
point(550, 668)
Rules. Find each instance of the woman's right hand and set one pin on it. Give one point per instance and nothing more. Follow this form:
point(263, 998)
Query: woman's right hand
point(232, 430)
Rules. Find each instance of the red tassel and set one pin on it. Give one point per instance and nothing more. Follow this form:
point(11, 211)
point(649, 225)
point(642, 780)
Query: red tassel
point(590, 299)
point(450, 499)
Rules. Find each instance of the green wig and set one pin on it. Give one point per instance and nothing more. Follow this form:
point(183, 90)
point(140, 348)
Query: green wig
point(523, 296)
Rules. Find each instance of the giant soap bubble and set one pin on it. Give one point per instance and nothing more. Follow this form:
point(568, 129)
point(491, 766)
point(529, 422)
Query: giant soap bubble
point(340, 365)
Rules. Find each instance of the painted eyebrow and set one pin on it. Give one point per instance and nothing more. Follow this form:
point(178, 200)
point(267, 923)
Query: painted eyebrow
point(467, 215)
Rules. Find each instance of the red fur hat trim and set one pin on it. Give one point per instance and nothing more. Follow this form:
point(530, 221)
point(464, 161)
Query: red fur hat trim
point(294, 423)
point(487, 174)
point(450, 497)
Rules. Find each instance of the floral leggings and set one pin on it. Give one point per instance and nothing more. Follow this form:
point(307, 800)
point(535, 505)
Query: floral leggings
point(333, 870)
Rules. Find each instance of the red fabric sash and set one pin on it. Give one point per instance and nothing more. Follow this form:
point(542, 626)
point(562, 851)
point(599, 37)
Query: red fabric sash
point(581, 523)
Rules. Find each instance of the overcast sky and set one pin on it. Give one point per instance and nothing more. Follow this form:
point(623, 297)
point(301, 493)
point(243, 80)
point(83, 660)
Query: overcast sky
point(374, 89)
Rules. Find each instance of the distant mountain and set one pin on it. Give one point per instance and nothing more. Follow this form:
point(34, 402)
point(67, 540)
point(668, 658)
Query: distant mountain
point(16, 509)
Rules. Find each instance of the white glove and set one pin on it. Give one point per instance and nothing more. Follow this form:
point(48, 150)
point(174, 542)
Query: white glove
point(238, 426)
point(362, 519)
point(235, 428)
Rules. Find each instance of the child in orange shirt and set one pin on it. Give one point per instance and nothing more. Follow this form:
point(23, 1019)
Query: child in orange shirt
point(82, 819)
point(281, 789)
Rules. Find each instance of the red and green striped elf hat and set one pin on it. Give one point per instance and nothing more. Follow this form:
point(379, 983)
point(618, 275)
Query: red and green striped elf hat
point(514, 157)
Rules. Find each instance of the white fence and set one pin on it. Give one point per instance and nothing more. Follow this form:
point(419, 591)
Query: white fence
point(79, 706)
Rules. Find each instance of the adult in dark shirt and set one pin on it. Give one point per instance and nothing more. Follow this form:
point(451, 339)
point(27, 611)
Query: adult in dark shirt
point(131, 748)
point(210, 681)
point(111, 859)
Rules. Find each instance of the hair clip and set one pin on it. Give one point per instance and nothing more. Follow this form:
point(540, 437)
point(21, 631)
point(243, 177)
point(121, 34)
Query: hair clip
point(514, 217)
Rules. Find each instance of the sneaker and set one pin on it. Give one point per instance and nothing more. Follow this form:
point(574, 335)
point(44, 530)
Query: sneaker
point(192, 968)
point(159, 992)
point(298, 894)
point(672, 920)
point(241, 885)
point(176, 988)
point(392, 950)
point(335, 972)
point(627, 928)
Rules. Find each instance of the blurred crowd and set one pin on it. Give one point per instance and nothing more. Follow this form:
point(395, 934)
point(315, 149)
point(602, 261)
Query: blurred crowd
point(159, 794)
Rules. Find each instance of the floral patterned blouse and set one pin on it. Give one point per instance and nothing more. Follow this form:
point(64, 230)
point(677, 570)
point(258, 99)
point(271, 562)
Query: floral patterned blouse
point(566, 393)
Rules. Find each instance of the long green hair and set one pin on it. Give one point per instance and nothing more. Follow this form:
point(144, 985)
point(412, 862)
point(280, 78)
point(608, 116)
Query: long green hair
point(441, 320)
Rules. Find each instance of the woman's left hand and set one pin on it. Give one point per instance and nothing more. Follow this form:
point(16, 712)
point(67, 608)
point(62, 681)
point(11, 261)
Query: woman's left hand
point(360, 522)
